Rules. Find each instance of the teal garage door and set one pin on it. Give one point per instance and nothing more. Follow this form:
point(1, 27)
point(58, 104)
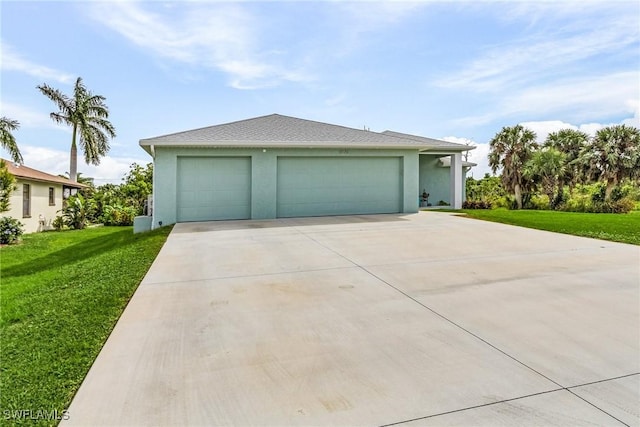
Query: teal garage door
point(213, 188)
point(316, 186)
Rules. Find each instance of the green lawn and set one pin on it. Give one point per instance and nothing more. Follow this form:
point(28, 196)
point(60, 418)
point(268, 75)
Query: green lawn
point(623, 228)
point(60, 296)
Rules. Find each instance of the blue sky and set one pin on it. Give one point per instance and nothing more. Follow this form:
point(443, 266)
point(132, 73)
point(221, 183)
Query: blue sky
point(451, 70)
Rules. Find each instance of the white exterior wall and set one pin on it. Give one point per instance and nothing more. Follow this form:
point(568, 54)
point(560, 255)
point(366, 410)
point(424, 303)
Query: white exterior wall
point(456, 183)
point(39, 205)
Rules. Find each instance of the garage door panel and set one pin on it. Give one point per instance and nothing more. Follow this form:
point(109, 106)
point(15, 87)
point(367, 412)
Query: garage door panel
point(314, 186)
point(213, 188)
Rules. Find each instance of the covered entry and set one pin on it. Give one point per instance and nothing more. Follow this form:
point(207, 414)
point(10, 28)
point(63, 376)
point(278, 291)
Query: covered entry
point(316, 186)
point(213, 188)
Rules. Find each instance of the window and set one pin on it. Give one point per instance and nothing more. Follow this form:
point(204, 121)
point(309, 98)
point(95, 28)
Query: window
point(52, 196)
point(26, 201)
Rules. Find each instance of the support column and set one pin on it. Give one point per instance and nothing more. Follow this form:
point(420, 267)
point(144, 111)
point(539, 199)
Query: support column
point(455, 182)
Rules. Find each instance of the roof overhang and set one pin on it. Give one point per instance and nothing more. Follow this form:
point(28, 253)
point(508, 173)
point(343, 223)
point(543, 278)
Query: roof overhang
point(152, 147)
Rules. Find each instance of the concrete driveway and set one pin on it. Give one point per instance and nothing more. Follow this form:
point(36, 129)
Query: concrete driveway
point(424, 319)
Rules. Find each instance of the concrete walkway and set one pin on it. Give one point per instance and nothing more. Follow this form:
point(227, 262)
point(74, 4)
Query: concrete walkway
point(424, 319)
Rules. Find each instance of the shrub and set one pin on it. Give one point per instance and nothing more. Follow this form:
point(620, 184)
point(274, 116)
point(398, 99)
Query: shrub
point(10, 230)
point(7, 185)
point(585, 203)
point(74, 213)
point(476, 204)
point(625, 205)
point(443, 203)
point(539, 202)
point(118, 215)
point(58, 223)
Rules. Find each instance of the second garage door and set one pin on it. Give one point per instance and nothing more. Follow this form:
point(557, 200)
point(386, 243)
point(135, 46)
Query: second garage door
point(213, 188)
point(316, 186)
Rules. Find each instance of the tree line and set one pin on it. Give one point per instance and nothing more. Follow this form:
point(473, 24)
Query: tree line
point(566, 158)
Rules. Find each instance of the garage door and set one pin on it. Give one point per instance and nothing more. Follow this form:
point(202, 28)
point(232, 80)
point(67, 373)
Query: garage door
point(211, 188)
point(316, 186)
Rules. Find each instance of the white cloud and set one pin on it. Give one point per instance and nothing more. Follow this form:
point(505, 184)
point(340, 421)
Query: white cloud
point(371, 15)
point(544, 127)
point(30, 118)
point(577, 99)
point(577, 63)
point(219, 36)
point(548, 53)
point(479, 155)
point(634, 105)
point(56, 162)
point(13, 61)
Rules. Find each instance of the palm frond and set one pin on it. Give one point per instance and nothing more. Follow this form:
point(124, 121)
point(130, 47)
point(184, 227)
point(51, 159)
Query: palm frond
point(7, 140)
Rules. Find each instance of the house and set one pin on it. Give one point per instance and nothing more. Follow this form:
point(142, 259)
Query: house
point(38, 196)
point(277, 166)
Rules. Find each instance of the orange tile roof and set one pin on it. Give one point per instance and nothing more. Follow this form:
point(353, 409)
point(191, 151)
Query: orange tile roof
point(22, 171)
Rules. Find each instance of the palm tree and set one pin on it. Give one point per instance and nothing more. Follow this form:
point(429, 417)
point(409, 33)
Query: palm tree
point(509, 150)
point(547, 167)
point(614, 154)
point(570, 142)
point(88, 115)
point(7, 140)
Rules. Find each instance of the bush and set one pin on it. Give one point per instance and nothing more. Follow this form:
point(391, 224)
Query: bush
point(118, 215)
point(584, 203)
point(10, 230)
point(58, 223)
point(625, 205)
point(476, 204)
point(539, 202)
point(74, 213)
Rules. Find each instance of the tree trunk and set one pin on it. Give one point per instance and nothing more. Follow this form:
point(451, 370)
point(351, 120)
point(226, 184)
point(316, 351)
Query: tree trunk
point(610, 186)
point(73, 161)
point(518, 195)
point(555, 203)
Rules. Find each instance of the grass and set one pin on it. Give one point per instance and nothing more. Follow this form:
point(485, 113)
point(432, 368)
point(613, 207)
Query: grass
point(624, 228)
point(60, 296)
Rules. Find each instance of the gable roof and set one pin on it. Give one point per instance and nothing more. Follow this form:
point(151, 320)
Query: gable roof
point(433, 143)
point(25, 172)
point(276, 130)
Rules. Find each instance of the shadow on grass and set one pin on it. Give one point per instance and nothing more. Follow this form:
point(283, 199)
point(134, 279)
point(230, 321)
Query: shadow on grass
point(77, 252)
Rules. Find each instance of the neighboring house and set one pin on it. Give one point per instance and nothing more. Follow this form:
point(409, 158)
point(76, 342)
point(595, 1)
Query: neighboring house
point(278, 166)
point(38, 197)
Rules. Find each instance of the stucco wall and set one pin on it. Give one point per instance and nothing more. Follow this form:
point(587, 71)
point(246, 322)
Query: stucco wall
point(39, 204)
point(435, 179)
point(264, 175)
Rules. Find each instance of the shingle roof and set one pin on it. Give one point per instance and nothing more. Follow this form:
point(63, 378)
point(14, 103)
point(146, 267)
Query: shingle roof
point(276, 130)
point(434, 143)
point(22, 171)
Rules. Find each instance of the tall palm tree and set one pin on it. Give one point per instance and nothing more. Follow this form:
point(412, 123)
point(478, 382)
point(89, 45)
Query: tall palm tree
point(614, 154)
point(570, 142)
point(7, 140)
point(546, 167)
point(88, 115)
point(509, 150)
